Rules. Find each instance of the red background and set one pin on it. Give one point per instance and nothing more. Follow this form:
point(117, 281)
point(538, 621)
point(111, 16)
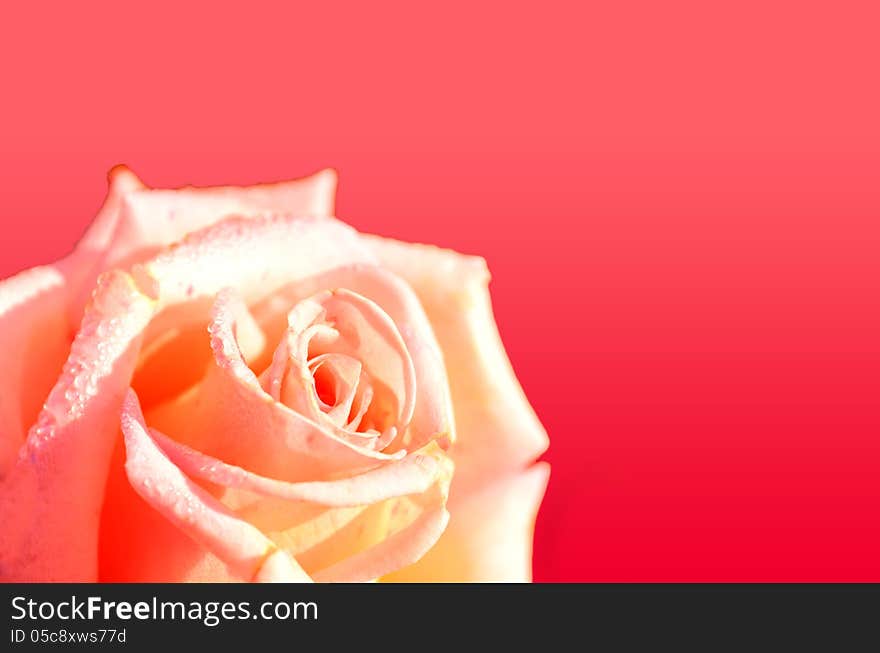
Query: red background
point(679, 203)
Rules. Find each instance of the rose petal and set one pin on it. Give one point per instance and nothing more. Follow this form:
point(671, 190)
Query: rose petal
point(346, 373)
point(489, 538)
point(255, 256)
point(432, 418)
point(230, 417)
point(50, 501)
point(248, 553)
point(497, 429)
point(351, 544)
point(82, 267)
point(323, 523)
point(33, 333)
point(308, 519)
point(138, 544)
point(394, 552)
point(151, 219)
point(413, 474)
point(360, 331)
point(136, 222)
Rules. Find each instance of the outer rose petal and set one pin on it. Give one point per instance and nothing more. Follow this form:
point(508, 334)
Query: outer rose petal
point(82, 266)
point(489, 538)
point(152, 219)
point(497, 429)
point(33, 346)
point(248, 553)
point(136, 222)
point(100, 232)
point(51, 499)
point(256, 256)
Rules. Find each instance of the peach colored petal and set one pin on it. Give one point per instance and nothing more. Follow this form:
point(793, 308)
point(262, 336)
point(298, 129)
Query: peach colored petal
point(138, 544)
point(152, 219)
point(315, 519)
point(328, 522)
point(489, 538)
point(50, 500)
point(346, 373)
point(497, 429)
point(356, 328)
point(99, 233)
point(358, 542)
point(413, 474)
point(256, 256)
point(280, 568)
point(136, 222)
point(33, 335)
point(432, 417)
point(394, 552)
point(248, 553)
point(82, 267)
point(230, 417)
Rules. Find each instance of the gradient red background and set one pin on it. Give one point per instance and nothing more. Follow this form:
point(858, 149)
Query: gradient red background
point(679, 203)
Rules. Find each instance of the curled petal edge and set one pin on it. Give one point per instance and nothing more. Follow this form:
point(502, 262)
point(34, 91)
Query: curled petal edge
point(248, 553)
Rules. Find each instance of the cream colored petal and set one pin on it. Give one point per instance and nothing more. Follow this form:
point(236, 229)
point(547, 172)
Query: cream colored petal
point(395, 551)
point(85, 263)
point(413, 474)
point(152, 219)
point(432, 419)
point(230, 417)
point(136, 222)
point(489, 537)
point(497, 430)
point(248, 553)
point(363, 332)
point(51, 499)
point(255, 256)
point(33, 346)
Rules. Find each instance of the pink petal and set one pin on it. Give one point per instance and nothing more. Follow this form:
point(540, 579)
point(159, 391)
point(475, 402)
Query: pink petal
point(135, 222)
point(403, 548)
point(432, 417)
point(489, 538)
point(306, 518)
point(99, 233)
point(497, 429)
point(255, 256)
point(230, 417)
point(360, 331)
point(82, 267)
point(50, 501)
point(152, 219)
point(359, 543)
point(248, 553)
point(347, 373)
point(413, 474)
point(33, 346)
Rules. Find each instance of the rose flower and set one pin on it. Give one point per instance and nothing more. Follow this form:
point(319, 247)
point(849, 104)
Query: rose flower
point(227, 384)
